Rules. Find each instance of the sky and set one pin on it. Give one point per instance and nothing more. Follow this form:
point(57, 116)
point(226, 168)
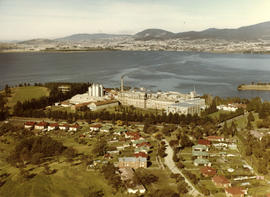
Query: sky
point(28, 19)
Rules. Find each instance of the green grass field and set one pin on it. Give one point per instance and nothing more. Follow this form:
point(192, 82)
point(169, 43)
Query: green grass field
point(26, 93)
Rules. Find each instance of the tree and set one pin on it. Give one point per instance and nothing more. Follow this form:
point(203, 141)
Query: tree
point(100, 148)
point(185, 141)
point(249, 125)
point(7, 90)
point(182, 187)
point(144, 177)
point(251, 117)
point(94, 192)
point(180, 165)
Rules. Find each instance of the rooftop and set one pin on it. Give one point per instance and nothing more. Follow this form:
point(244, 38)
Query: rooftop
point(220, 179)
point(235, 190)
point(132, 159)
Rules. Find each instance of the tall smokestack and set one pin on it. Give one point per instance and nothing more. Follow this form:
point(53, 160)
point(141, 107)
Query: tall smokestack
point(122, 83)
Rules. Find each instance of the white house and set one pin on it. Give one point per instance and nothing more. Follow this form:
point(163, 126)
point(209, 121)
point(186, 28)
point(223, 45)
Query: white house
point(95, 127)
point(63, 127)
point(74, 127)
point(52, 126)
point(41, 125)
point(29, 125)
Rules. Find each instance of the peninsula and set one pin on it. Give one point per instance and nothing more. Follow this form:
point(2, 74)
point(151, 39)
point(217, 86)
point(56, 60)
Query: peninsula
point(255, 86)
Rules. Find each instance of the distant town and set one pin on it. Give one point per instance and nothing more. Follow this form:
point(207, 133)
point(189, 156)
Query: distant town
point(130, 44)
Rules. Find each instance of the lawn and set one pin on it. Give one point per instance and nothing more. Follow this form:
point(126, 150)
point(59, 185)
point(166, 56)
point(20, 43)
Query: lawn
point(26, 93)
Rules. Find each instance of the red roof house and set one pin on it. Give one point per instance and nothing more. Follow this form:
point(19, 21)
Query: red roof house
point(204, 142)
point(143, 144)
point(235, 192)
point(221, 181)
point(41, 125)
point(74, 127)
point(215, 138)
point(208, 171)
point(52, 126)
point(141, 154)
point(29, 125)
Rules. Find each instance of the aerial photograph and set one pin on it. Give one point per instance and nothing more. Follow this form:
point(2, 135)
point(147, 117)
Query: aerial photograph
point(134, 98)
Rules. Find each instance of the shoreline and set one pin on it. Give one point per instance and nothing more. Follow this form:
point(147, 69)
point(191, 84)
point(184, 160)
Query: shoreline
point(97, 50)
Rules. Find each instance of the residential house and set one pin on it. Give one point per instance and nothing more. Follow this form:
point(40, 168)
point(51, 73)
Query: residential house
point(106, 129)
point(200, 151)
point(221, 181)
point(52, 126)
point(130, 134)
point(132, 162)
point(257, 134)
point(74, 127)
point(215, 138)
point(134, 188)
point(142, 149)
point(29, 125)
point(235, 192)
point(95, 127)
point(208, 171)
point(199, 148)
point(127, 175)
point(63, 127)
point(204, 142)
point(141, 154)
point(41, 125)
point(119, 131)
point(146, 144)
point(201, 162)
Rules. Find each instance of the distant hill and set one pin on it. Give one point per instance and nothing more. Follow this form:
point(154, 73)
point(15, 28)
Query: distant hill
point(154, 34)
point(246, 33)
point(39, 41)
point(82, 37)
point(252, 32)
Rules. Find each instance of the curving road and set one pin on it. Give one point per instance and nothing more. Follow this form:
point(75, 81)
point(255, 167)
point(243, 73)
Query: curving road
point(171, 165)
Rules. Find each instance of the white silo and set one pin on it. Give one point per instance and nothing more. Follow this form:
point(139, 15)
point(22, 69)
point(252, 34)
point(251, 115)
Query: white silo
point(89, 91)
point(101, 90)
point(97, 90)
point(93, 89)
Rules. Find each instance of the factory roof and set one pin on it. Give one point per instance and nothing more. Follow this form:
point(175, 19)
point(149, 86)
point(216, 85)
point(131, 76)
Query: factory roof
point(99, 103)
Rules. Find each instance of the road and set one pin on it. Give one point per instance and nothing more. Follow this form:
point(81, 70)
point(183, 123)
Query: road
point(235, 118)
point(171, 165)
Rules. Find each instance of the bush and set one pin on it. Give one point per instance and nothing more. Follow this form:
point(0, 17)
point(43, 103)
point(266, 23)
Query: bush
point(36, 158)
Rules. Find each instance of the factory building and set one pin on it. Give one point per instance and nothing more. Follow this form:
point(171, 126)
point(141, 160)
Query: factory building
point(192, 106)
point(159, 100)
point(95, 93)
point(96, 90)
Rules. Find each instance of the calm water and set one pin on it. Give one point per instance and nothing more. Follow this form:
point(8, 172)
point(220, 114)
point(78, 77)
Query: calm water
point(216, 74)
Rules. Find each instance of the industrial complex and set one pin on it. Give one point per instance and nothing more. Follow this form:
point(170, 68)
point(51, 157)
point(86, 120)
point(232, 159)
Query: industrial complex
point(169, 102)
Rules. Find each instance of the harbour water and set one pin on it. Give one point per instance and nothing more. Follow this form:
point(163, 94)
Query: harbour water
point(216, 74)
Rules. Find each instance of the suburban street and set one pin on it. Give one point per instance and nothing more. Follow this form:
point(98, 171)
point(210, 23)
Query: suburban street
point(171, 165)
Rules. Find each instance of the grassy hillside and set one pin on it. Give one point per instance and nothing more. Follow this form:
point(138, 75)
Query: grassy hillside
point(68, 181)
point(26, 93)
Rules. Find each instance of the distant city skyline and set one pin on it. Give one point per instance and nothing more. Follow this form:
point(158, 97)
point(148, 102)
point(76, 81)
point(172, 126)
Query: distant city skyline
point(28, 19)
